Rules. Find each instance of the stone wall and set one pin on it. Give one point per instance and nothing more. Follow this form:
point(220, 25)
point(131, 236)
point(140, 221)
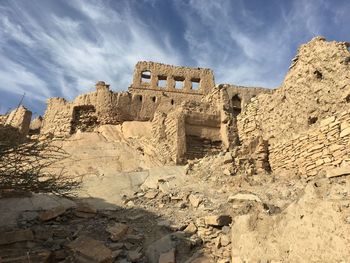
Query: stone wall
point(171, 79)
point(322, 146)
point(316, 86)
point(19, 118)
point(139, 104)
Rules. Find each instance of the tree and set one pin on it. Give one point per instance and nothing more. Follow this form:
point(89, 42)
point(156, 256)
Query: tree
point(29, 166)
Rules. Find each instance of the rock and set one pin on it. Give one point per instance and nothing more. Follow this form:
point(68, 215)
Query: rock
point(201, 259)
point(134, 238)
point(134, 256)
point(221, 220)
point(84, 215)
point(227, 172)
point(244, 197)
point(117, 231)
point(151, 194)
point(86, 208)
point(91, 249)
point(177, 241)
point(167, 257)
point(32, 257)
point(52, 213)
point(339, 171)
point(227, 158)
point(191, 229)
point(194, 200)
point(225, 240)
point(345, 132)
point(16, 236)
point(116, 253)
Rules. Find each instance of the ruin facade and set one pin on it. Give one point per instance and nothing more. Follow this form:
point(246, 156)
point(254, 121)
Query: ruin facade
point(190, 119)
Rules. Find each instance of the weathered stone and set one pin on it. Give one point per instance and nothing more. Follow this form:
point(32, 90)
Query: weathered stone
point(151, 194)
point(194, 200)
point(134, 256)
point(117, 231)
point(16, 236)
point(244, 197)
point(191, 229)
point(86, 208)
point(221, 220)
point(327, 121)
point(339, 171)
point(345, 132)
point(91, 249)
point(176, 241)
point(167, 257)
point(225, 240)
point(52, 213)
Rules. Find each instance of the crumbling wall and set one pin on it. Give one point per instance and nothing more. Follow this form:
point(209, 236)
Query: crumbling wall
point(149, 76)
point(58, 117)
point(325, 145)
point(139, 104)
point(35, 125)
point(316, 86)
point(19, 118)
point(165, 87)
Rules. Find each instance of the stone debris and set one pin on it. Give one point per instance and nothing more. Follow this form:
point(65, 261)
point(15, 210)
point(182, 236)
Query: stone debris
point(339, 171)
point(91, 249)
point(16, 236)
point(194, 200)
point(117, 231)
point(167, 257)
point(221, 220)
point(52, 213)
point(255, 165)
point(191, 229)
point(244, 197)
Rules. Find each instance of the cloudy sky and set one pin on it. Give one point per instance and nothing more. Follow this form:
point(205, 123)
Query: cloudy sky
point(62, 47)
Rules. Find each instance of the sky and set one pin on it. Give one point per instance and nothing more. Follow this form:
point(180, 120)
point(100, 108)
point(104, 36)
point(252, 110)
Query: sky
point(61, 48)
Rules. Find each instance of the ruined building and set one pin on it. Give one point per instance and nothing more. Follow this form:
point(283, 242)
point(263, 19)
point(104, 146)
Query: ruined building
point(190, 116)
point(300, 127)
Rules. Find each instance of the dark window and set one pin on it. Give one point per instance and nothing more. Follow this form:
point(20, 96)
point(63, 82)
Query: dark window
point(162, 81)
point(195, 83)
point(179, 82)
point(146, 76)
point(236, 105)
point(172, 102)
point(154, 98)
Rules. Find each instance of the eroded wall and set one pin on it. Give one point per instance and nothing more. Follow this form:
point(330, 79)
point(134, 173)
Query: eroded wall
point(19, 118)
point(316, 86)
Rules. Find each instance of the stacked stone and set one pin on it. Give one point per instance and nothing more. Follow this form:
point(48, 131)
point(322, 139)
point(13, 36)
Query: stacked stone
point(325, 145)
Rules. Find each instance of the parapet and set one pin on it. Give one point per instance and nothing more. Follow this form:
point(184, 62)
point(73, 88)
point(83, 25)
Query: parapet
point(162, 77)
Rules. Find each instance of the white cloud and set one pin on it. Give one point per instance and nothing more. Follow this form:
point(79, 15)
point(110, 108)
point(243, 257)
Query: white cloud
point(115, 41)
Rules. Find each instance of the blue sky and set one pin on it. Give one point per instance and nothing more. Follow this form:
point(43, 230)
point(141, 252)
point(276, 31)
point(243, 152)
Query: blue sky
point(60, 48)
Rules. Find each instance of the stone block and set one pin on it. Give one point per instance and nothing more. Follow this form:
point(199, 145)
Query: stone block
point(327, 121)
point(244, 197)
point(194, 200)
point(167, 257)
point(117, 231)
point(339, 171)
point(52, 213)
point(16, 236)
point(345, 132)
point(90, 249)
